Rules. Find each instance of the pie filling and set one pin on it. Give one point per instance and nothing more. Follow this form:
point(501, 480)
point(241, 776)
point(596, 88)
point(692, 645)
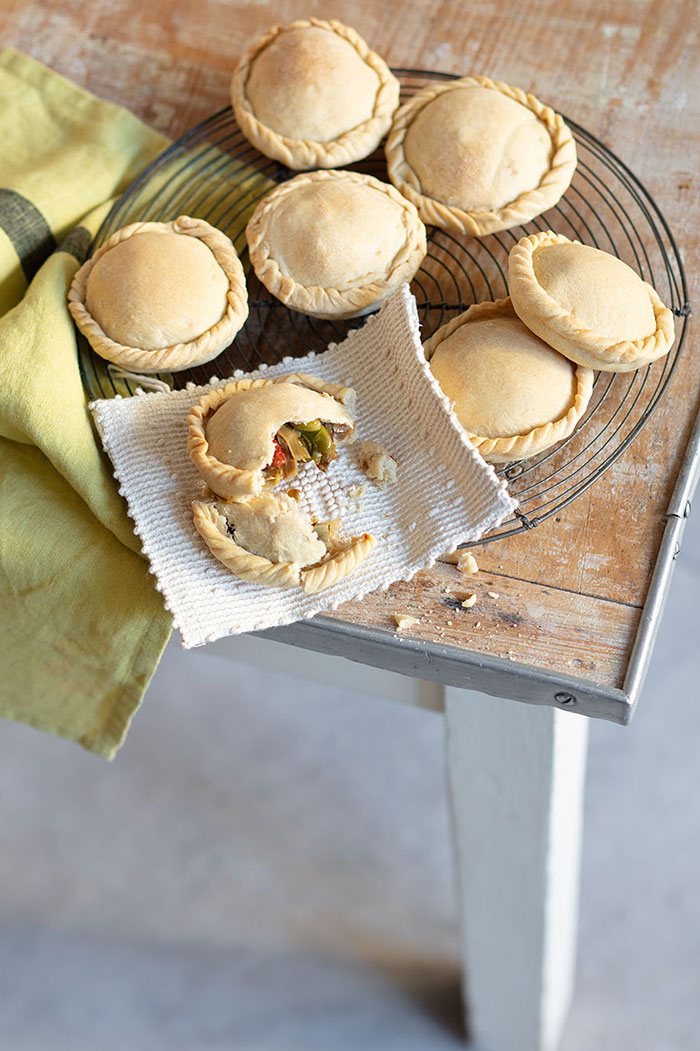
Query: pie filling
point(303, 443)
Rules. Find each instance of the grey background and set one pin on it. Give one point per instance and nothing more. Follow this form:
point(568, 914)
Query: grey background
point(267, 865)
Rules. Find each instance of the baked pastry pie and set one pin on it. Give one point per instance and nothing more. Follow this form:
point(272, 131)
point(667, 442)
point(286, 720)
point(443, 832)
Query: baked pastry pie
point(312, 95)
point(248, 435)
point(476, 156)
point(161, 296)
point(270, 540)
point(588, 304)
point(333, 244)
point(512, 393)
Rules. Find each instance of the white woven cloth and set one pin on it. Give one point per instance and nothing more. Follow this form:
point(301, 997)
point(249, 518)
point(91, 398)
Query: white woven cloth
point(445, 493)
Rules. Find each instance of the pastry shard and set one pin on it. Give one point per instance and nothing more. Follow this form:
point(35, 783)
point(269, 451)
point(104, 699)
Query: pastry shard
point(251, 433)
point(161, 296)
point(334, 244)
point(269, 540)
point(476, 156)
point(512, 393)
point(313, 95)
point(588, 304)
point(377, 463)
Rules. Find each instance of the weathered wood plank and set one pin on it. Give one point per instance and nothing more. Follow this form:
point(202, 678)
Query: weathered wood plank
point(558, 630)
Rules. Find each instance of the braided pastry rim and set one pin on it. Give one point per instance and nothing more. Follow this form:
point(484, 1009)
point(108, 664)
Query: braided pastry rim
point(339, 564)
point(332, 302)
point(301, 154)
point(478, 223)
point(210, 523)
point(556, 324)
point(178, 355)
point(227, 481)
point(506, 448)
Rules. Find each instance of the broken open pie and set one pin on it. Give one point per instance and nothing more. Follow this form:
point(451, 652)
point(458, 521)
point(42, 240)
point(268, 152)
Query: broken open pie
point(476, 156)
point(161, 296)
point(270, 540)
point(249, 435)
point(587, 303)
point(333, 244)
point(512, 393)
point(313, 95)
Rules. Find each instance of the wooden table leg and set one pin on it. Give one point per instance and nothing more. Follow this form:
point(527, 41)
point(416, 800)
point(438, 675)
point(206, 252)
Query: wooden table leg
point(516, 776)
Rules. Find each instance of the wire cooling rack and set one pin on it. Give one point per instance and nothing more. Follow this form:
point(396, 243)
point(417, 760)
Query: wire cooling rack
point(214, 173)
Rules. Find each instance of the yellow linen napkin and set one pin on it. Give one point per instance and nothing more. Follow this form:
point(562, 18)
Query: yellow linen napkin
point(81, 625)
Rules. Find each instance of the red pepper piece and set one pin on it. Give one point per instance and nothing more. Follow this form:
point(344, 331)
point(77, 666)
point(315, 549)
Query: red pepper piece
point(279, 458)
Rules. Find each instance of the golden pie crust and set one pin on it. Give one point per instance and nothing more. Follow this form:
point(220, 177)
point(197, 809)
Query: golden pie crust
point(513, 394)
point(333, 244)
point(476, 156)
point(312, 94)
point(272, 569)
point(250, 423)
point(159, 297)
point(588, 304)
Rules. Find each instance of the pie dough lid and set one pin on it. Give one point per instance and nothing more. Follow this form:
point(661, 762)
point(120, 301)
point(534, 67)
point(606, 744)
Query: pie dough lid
point(598, 289)
point(275, 527)
point(337, 234)
point(156, 289)
point(311, 84)
point(241, 432)
point(477, 149)
point(502, 379)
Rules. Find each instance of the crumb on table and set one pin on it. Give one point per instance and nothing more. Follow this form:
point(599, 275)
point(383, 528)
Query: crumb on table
point(404, 621)
point(469, 601)
point(466, 563)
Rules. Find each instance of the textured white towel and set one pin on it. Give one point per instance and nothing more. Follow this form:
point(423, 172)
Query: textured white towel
point(445, 493)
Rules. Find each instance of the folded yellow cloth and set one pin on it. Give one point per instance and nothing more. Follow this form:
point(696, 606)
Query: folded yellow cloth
point(81, 625)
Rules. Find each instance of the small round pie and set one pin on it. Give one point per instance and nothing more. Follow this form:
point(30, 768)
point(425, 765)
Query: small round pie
point(270, 540)
point(512, 393)
point(248, 434)
point(588, 304)
point(313, 95)
point(333, 244)
point(161, 296)
point(476, 156)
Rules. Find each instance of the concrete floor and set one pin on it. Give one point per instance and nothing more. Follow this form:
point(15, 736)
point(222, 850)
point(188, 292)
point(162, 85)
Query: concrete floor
point(266, 866)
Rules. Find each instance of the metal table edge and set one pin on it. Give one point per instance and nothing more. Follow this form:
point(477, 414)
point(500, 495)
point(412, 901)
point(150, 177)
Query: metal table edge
point(677, 515)
point(453, 666)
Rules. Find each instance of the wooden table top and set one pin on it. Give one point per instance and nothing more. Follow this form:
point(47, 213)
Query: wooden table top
point(567, 596)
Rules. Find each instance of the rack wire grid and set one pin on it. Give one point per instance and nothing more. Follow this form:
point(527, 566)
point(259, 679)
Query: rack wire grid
point(214, 173)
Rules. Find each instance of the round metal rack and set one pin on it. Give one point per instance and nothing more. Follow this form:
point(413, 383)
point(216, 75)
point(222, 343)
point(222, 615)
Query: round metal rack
point(214, 173)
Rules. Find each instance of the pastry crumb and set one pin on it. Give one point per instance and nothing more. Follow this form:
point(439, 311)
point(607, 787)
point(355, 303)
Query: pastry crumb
point(328, 532)
point(378, 464)
point(469, 601)
point(404, 621)
point(466, 563)
point(493, 594)
point(356, 492)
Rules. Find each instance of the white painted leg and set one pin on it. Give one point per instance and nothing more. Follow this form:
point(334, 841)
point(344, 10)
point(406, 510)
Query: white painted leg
point(516, 776)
